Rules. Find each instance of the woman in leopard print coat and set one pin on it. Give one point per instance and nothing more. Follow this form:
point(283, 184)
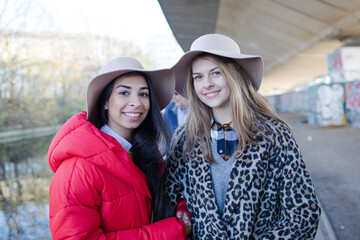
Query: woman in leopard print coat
point(245, 179)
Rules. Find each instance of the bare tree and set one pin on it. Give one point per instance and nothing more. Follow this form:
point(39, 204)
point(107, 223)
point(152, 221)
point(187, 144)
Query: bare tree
point(43, 77)
point(20, 15)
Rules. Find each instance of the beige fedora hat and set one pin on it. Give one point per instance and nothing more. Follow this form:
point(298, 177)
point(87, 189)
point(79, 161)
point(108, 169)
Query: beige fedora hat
point(219, 45)
point(163, 82)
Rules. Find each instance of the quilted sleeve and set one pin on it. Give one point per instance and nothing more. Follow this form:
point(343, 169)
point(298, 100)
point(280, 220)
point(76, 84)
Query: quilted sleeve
point(169, 228)
point(82, 226)
point(300, 211)
point(75, 205)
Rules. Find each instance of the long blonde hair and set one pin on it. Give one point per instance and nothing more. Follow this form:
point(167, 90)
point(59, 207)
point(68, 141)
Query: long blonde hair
point(250, 109)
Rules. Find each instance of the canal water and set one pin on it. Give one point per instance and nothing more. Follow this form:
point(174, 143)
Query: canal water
point(24, 190)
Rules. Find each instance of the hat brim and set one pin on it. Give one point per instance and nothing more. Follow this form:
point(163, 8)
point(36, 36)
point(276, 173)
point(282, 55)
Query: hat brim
point(252, 65)
point(162, 81)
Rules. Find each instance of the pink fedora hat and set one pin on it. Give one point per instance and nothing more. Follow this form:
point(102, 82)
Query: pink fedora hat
point(219, 45)
point(163, 82)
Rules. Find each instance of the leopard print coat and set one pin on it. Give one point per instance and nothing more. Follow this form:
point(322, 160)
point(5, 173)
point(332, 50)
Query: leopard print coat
point(270, 194)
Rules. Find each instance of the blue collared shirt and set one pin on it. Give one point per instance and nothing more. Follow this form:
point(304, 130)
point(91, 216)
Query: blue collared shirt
point(123, 142)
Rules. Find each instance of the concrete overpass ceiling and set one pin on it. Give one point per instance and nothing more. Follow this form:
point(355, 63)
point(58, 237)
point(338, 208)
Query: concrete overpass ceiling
point(292, 36)
point(190, 18)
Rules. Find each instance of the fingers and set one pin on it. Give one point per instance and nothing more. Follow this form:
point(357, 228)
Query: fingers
point(185, 217)
point(188, 225)
point(180, 215)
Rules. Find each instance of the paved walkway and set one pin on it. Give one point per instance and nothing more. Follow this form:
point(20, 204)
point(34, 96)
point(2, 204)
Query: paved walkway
point(332, 156)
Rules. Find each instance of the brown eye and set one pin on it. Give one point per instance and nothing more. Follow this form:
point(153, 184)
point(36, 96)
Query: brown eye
point(144, 94)
point(124, 93)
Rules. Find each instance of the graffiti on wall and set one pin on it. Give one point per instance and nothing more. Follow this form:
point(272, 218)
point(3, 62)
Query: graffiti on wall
point(330, 106)
point(334, 61)
point(323, 104)
point(353, 103)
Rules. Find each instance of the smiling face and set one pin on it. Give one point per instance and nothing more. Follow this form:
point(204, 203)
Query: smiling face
point(210, 84)
point(128, 104)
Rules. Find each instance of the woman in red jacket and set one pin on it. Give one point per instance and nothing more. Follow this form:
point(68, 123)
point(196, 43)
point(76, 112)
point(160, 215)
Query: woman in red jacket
point(107, 182)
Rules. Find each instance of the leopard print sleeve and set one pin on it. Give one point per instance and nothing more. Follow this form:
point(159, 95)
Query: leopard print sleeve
point(299, 208)
point(174, 178)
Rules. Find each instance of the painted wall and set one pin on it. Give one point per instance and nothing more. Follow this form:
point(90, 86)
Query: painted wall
point(331, 100)
point(353, 103)
point(344, 64)
point(331, 104)
point(351, 63)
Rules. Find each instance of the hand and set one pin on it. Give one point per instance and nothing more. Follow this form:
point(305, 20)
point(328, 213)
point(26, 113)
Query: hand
point(183, 216)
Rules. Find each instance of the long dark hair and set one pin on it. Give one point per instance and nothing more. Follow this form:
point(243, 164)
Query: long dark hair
point(147, 138)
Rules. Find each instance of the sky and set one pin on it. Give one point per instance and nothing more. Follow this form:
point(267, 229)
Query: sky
point(117, 18)
point(138, 21)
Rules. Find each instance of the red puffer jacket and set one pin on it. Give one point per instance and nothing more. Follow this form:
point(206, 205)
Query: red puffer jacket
point(97, 192)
